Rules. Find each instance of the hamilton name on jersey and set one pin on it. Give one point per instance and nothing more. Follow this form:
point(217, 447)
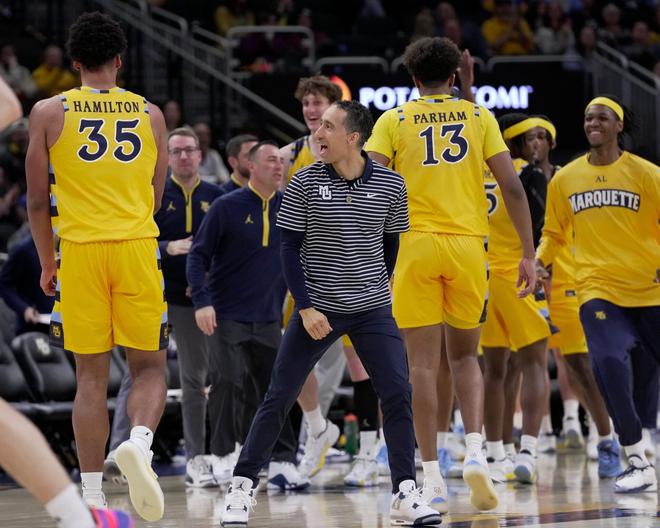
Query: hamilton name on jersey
point(106, 107)
point(582, 201)
point(439, 117)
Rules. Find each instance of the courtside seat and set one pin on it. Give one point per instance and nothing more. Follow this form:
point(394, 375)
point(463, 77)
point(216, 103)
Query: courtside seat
point(13, 387)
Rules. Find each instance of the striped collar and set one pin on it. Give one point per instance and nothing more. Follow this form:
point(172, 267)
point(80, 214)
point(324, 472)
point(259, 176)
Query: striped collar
point(368, 170)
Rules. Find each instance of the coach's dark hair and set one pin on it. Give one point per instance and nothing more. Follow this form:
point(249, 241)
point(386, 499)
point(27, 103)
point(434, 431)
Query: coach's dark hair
point(253, 151)
point(234, 144)
point(95, 39)
point(516, 143)
point(431, 60)
point(358, 119)
point(629, 120)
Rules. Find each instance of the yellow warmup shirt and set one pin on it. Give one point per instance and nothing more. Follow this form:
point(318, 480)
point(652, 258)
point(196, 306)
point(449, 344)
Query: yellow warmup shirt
point(504, 247)
point(613, 212)
point(301, 156)
point(439, 145)
point(102, 167)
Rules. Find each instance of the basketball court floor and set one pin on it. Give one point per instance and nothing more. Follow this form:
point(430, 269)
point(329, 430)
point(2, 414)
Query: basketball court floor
point(567, 494)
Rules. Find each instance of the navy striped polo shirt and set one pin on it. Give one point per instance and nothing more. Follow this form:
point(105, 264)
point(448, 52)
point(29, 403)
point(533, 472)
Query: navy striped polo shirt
point(344, 221)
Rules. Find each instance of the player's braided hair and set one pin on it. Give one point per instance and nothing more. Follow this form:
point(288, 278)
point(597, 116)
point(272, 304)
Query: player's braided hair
point(95, 39)
point(431, 60)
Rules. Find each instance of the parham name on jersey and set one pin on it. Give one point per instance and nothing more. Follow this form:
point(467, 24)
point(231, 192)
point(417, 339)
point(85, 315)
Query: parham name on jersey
point(439, 117)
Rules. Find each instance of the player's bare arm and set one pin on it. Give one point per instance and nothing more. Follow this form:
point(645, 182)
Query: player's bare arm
point(518, 209)
point(46, 120)
point(160, 135)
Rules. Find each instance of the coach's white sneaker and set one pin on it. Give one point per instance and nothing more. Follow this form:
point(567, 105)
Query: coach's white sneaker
point(284, 476)
point(475, 474)
point(143, 488)
point(638, 478)
point(363, 473)
point(409, 509)
point(239, 502)
point(435, 494)
point(316, 448)
point(199, 473)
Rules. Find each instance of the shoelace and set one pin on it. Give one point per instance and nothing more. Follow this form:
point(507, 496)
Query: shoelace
point(241, 499)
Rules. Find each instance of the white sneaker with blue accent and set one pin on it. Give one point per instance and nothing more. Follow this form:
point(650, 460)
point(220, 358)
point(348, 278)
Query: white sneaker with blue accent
point(525, 469)
point(199, 473)
point(475, 474)
point(639, 477)
point(381, 458)
point(363, 473)
point(239, 502)
point(284, 476)
point(435, 494)
point(409, 509)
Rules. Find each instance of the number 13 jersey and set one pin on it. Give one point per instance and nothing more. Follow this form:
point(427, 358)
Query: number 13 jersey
point(439, 144)
point(102, 167)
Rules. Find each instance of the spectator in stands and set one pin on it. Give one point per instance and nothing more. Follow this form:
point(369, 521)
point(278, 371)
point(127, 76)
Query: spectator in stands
point(234, 13)
point(612, 32)
point(641, 49)
point(212, 169)
point(50, 76)
point(12, 158)
point(20, 289)
point(16, 76)
point(238, 148)
point(455, 31)
point(186, 201)
point(172, 114)
point(9, 218)
point(583, 13)
point(240, 302)
point(554, 36)
point(424, 25)
point(506, 32)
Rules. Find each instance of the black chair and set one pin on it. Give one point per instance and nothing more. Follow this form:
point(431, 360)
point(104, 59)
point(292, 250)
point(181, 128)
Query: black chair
point(13, 387)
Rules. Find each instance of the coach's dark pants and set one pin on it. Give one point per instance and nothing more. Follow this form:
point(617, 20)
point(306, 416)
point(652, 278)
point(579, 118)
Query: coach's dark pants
point(377, 341)
point(626, 374)
point(240, 372)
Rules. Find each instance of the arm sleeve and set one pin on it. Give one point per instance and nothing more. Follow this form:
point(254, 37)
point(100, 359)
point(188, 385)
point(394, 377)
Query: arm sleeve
point(536, 189)
point(205, 245)
point(390, 251)
point(294, 275)
point(293, 211)
point(382, 136)
point(9, 277)
point(558, 223)
point(492, 137)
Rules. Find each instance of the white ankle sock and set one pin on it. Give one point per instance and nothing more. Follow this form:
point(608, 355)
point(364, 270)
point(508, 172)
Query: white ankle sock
point(510, 449)
point(69, 510)
point(431, 470)
point(606, 437)
point(142, 436)
point(571, 409)
point(91, 482)
point(442, 439)
point(473, 442)
point(528, 443)
point(315, 421)
point(636, 455)
point(495, 449)
point(368, 441)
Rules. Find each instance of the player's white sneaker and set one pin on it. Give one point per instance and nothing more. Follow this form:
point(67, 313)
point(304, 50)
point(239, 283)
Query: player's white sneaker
point(592, 446)
point(572, 433)
point(475, 474)
point(381, 458)
point(363, 473)
point(94, 499)
point(316, 449)
point(408, 509)
point(223, 468)
point(239, 502)
point(547, 443)
point(525, 467)
point(111, 471)
point(143, 488)
point(435, 494)
point(199, 474)
point(284, 476)
point(501, 470)
point(456, 446)
point(637, 479)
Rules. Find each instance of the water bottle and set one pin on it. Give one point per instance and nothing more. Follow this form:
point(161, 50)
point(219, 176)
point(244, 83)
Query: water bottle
point(351, 434)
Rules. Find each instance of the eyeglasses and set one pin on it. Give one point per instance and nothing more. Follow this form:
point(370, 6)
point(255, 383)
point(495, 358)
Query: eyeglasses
point(177, 152)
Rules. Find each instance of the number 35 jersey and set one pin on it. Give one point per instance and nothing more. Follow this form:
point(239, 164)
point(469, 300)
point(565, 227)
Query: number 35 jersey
point(439, 144)
point(102, 167)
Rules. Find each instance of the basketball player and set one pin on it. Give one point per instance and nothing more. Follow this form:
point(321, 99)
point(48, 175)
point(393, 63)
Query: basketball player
point(609, 200)
point(514, 324)
point(440, 143)
point(108, 158)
